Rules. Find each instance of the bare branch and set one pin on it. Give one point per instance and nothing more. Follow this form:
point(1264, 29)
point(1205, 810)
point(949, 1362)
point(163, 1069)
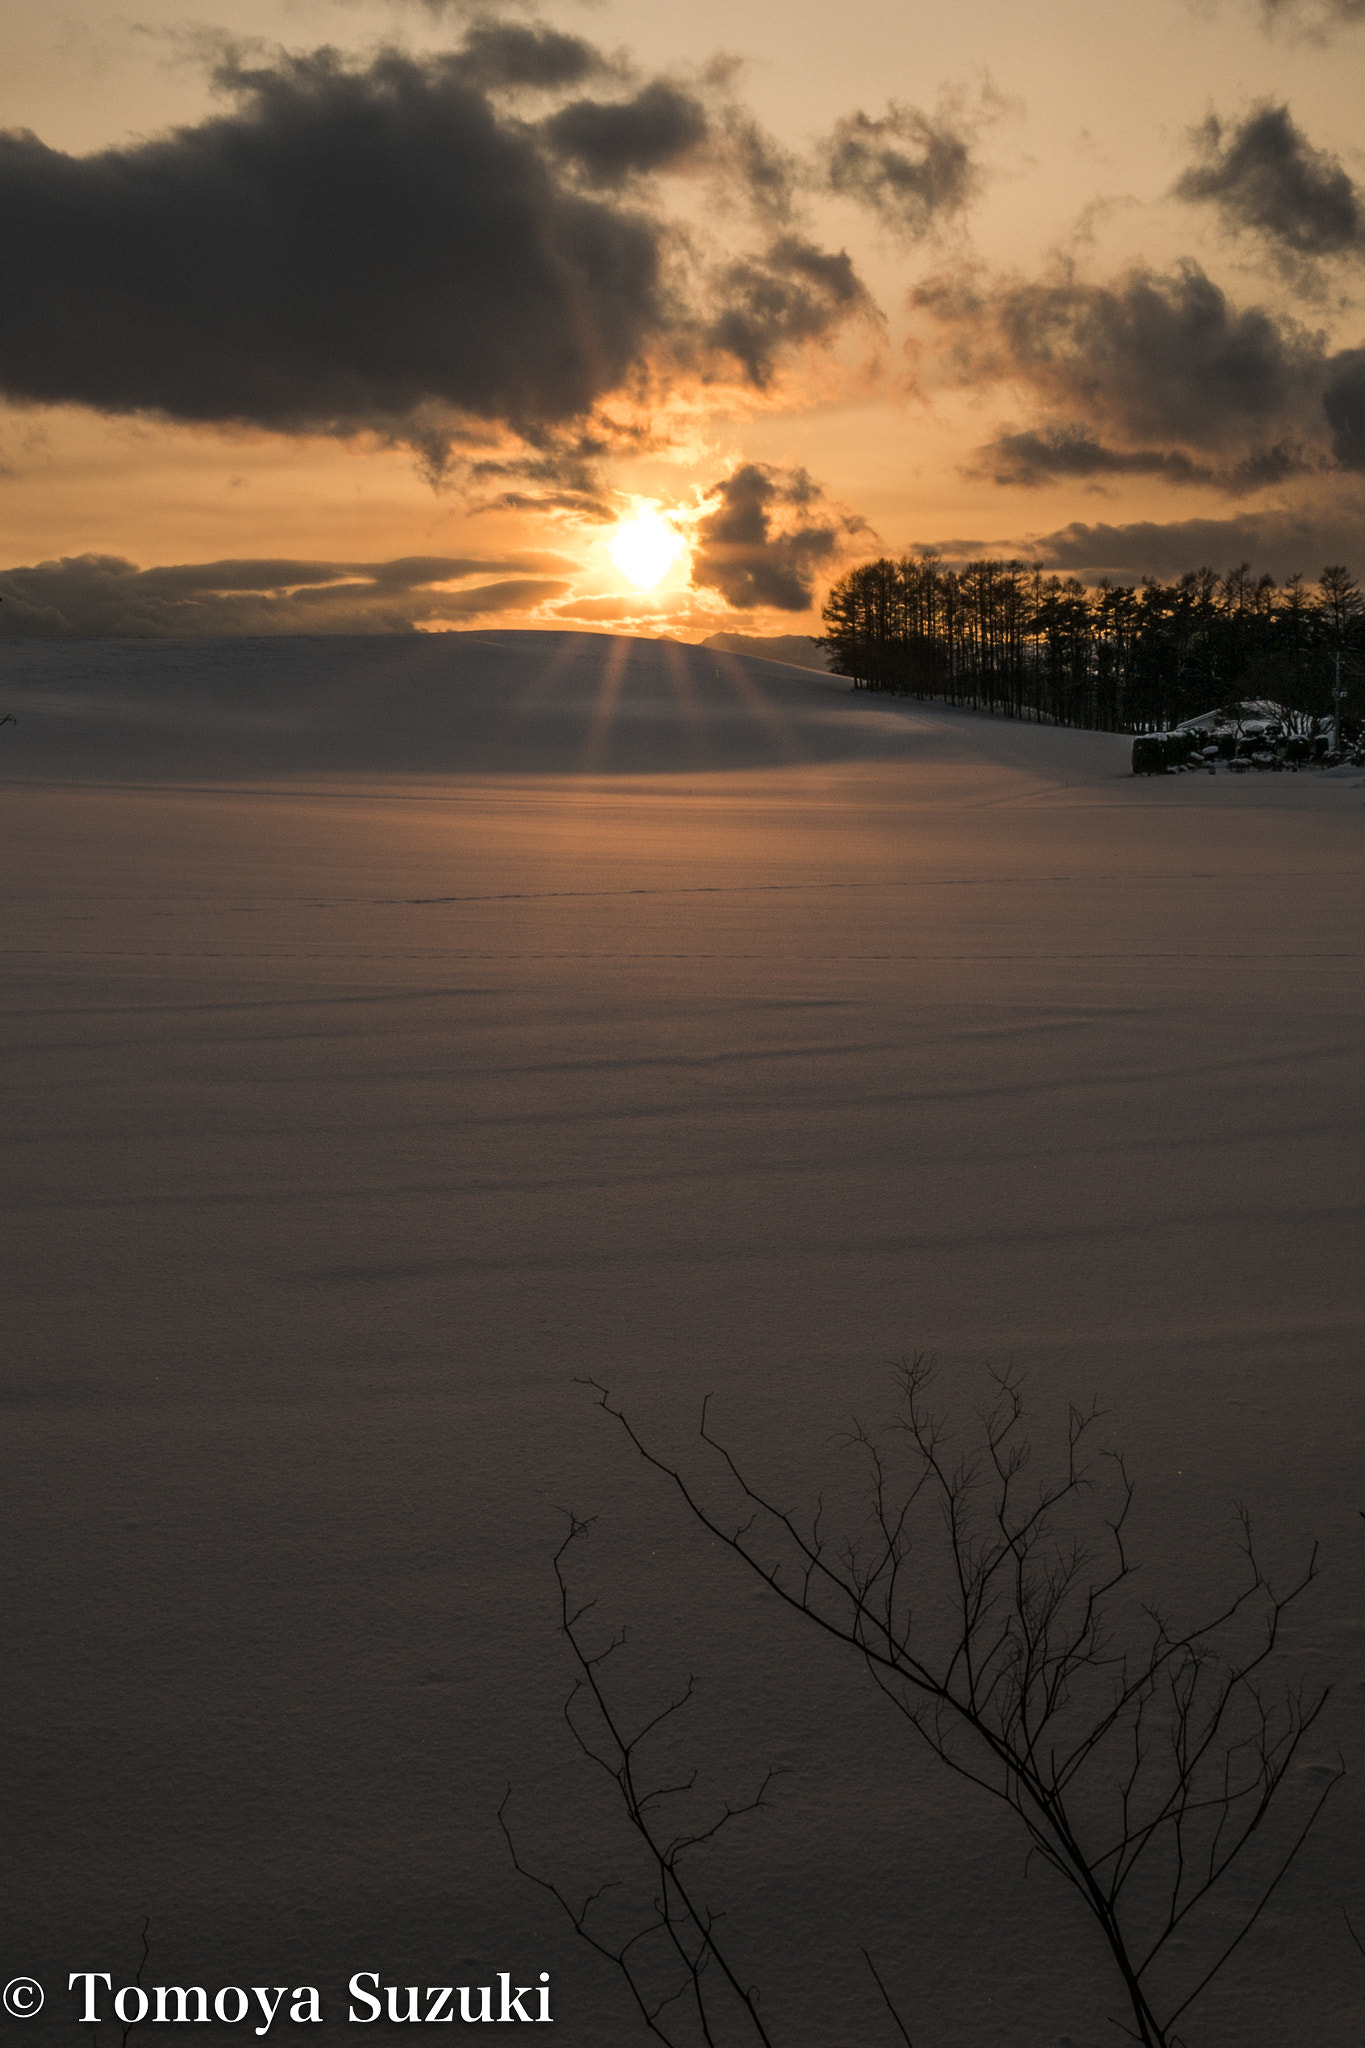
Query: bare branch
point(994, 1604)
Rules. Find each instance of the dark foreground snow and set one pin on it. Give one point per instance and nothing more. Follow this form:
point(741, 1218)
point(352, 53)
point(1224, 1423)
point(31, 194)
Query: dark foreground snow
point(389, 1042)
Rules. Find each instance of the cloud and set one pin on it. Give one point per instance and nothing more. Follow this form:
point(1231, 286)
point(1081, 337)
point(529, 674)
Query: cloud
point(790, 294)
point(1041, 456)
point(1343, 401)
point(1035, 456)
point(770, 533)
point(395, 247)
point(619, 607)
point(1158, 356)
point(104, 596)
point(343, 249)
point(1317, 18)
point(1278, 541)
point(563, 473)
point(750, 162)
point(1154, 373)
point(911, 170)
point(517, 54)
point(594, 507)
point(1265, 178)
point(612, 141)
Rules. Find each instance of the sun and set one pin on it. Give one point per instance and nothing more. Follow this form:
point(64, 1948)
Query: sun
point(645, 546)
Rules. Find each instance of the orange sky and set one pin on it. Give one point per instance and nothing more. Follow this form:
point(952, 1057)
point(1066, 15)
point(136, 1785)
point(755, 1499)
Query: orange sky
point(1168, 357)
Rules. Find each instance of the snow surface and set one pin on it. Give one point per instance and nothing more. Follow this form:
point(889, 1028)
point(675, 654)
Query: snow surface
point(398, 1030)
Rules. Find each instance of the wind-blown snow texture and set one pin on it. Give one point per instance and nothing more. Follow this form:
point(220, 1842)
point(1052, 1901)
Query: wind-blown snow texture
point(396, 1031)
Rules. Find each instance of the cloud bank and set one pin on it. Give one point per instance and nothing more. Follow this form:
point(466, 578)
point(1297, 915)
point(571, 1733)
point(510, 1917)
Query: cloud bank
point(343, 250)
point(1149, 373)
point(1282, 542)
point(410, 246)
point(762, 541)
point(104, 596)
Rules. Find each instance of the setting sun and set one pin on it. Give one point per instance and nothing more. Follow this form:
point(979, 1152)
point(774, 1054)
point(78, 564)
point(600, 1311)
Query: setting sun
point(645, 547)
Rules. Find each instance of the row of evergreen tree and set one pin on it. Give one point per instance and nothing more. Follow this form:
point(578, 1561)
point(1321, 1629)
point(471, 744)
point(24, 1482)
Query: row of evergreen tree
point(1004, 637)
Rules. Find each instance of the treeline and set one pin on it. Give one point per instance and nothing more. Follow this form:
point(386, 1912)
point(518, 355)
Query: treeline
point(1004, 637)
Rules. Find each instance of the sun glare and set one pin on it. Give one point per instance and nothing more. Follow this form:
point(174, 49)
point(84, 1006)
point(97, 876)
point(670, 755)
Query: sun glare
point(645, 547)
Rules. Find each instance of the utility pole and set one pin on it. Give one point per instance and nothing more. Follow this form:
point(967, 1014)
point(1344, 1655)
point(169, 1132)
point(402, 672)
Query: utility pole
point(1336, 707)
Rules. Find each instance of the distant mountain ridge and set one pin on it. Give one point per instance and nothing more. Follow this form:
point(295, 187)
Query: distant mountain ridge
point(798, 649)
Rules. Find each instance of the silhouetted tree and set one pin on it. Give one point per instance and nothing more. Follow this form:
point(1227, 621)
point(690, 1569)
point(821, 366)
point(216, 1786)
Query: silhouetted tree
point(1006, 638)
point(999, 1610)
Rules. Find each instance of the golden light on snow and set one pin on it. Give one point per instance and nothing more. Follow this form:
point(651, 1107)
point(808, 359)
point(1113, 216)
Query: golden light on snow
point(645, 546)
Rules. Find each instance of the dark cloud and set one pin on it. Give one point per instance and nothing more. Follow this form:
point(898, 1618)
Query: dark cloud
point(612, 141)
point(390, 247)
point(1318, 17)
point(532, 56)
point(770, 533)
point(793, 293)
point(1343, 401)
point(104, 596)
point(753, 164)
point(1158, 357)
point(590, 507)
point(911, 170)
point(563, 475)
point(1264, 177)
point(342, 250)
point(1042, 456)
point(1154, 373)
point(1280, 542)
point(1265, 467)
